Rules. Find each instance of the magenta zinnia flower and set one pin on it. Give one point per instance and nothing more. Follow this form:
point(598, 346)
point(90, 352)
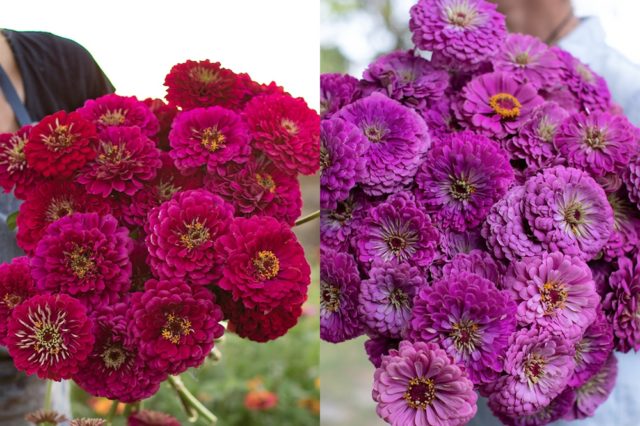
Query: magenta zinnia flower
point(595, 391)
point(339, 292)
point(556, 410)
point(464, 31)
point(496, 105)
point(592, 350)
point(568, 212)
point(336, 91)
point(126, 160)
point(631, 179)
point(84, 255)
point(537, 367)
point(469, 318)
point(208, 137)
point(461, 178)
point(598, 143)
point(622, 304)
point(114, 368)
point(398, 140)
point(15, 173)
point(586, 87)
point(418, 384)
point(120, 111)
point(554, 291)
point(405, 77)
point(16, 286)
point(626, 227)
point(174, 324)
point(386, 298)
point(342, 164)
point(339, 226)
point(397, 231)
point(478, 262)
point(49, 335)
point(181, 234)
point(264, 264)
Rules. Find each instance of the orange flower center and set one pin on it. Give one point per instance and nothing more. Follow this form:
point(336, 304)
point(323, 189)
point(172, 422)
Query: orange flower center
point(266, 265)
point(505, 105)
point(266, 181)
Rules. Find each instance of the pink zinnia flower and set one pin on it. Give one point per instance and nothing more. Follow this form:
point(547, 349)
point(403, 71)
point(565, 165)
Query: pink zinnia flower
point(120, 111)
point(49, 335)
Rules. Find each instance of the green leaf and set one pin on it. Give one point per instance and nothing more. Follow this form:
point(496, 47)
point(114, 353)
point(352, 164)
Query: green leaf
point(12, 221)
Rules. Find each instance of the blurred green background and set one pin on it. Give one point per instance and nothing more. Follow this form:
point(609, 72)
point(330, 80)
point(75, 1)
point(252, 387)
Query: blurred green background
point(286, 367)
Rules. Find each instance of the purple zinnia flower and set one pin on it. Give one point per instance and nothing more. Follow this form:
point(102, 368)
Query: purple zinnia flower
point(453, 242)
point(478, 262)
point(598, 143)
point(529, 60)
point(386, 298)
point(588, 88)
point(336, 91)
point(592, 350)
point(506, 230)
point(441, 119)
point(378, 346)
point(407, 78)
point(461, 178)
point(568, 212)
point(418, 384)
point(553, 291)
point(338, 226)
point(339, 290)
point(397, 231)
point(468, 317)
point(342, 163)
point(631, 179)
point(622, 304)
point(399, 138)
point(537, 366)
point(595, 391)
point(626, 227)
point(465, 31)
point(534, 142)
point(496, 105)
point(556, 409)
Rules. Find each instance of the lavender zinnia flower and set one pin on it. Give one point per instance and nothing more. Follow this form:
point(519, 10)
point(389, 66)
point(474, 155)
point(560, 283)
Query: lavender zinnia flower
point(386, 298)
point(537, 366)
point(339, 289)
point(598, 143)
point(553, 291)
point(622, 304)
point(461, 178)
point(336, 91)
point(592, 350)
point(397, 231)
point(341, 161)
point(405, 77)
point(529, 60)
point(399, 138)
point(496, 105)
point(464, 31)
point(595, 391)
point(468, 317)
point(568, 212)
point(418, 384)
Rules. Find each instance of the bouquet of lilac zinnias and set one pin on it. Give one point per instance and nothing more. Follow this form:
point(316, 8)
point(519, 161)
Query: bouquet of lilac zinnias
point(480, 223)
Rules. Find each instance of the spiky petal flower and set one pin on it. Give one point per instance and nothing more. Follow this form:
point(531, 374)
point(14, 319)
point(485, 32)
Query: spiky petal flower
point(461, 178)
point(49, 335)
point(496, 105)
point(599, 143)
point(126, 161)
point(595, 391)
point(418, 384)
point(553, 291)
point(397, 231)
point(537, 367)
point(622, 304)
point(45, 417)
point(175, 324)
point(84, 255)
point(16, 286)
point(469, 318)
point(339, 292)
point(386, 298)
point(120, 111)
point(406, 77)
point(336, 91)
point(568, 211)
point(15, 172)
point(463, 31)
point(286, 130)
point(342, 163)
point(264, 264)
point(60, 144)
point(592, 350)
point(208, 137)
point(181, 234)
point(398, 140)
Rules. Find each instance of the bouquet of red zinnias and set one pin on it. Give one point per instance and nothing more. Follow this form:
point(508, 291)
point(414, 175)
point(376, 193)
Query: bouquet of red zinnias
point(146, 224)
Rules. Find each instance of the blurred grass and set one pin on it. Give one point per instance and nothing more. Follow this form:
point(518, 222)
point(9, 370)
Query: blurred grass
point(288, 366)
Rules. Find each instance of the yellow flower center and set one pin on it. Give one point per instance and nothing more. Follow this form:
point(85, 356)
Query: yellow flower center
point(330, 297)
point(175, 327)
point(505, 105)
point(465, 335)
point(113, 118)
point(60, 137)
point(460, 189)
point(290, 126)
point(420, 393)
point(195, 235)
point(266, 265)
point(80, 261)
point(113, 357)
point(553, 295)
point(11, 300)
point(204, 75)
point(58, 208)
point(266, 181)
point(534, 368)
point(212, 139)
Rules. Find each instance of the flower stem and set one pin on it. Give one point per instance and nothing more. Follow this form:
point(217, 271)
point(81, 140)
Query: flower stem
point(47, 395)
point(112, 412)
point(308, 218)
point(190, 401)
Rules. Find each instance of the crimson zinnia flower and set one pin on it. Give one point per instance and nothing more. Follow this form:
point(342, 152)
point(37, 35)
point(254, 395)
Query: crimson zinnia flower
point(16, 286)
point(14, 170)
